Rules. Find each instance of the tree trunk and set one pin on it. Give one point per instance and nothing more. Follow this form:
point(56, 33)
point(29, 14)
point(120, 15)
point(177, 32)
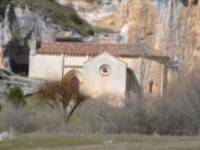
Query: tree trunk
point(63, 114)
point(72, 110)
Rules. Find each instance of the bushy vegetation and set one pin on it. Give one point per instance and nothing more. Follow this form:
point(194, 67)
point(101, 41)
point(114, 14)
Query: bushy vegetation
point(177, 113)
point(16, 97)
point(33, 117)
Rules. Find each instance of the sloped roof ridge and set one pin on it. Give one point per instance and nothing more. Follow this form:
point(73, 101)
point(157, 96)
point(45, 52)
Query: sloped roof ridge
point(91, 48)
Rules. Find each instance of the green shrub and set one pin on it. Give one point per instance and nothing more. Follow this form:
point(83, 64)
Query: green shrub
point(16, 97)
point(75, 18)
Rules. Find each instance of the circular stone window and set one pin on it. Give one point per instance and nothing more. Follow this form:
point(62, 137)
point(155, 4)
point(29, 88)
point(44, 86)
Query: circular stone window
point(105, 70)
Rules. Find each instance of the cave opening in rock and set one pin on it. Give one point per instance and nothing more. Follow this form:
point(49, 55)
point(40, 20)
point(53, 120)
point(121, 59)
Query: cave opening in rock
point(17, 55)
point(190, 2)
point(195, 2)
point(185, 2)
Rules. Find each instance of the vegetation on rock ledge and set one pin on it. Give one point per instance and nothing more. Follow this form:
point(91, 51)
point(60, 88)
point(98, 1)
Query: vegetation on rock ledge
point(61, 15)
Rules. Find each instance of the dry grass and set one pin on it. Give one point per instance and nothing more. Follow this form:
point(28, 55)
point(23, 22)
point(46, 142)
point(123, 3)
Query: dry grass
point(92, 142)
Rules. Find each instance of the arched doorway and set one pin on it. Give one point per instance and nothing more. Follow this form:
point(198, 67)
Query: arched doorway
point(132, 87)
point(71, 82)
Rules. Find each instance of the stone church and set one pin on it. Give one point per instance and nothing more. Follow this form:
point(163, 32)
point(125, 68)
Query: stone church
point(102, 69)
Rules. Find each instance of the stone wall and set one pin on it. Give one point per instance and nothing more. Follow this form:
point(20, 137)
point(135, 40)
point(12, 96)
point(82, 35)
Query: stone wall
point(93, 83)
point(147, 71)
point(51, 67)
point(46, 67)
point(105, 75)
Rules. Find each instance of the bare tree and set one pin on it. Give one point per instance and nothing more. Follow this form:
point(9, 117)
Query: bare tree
point(63, 95)
point(145, 66)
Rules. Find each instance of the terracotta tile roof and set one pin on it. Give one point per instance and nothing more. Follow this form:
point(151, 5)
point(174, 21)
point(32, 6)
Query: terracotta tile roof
point(92, 49)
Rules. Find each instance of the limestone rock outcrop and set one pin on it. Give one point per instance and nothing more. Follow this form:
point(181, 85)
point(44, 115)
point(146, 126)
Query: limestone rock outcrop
point(9, 80)
point(168, 25)
point(15, 31)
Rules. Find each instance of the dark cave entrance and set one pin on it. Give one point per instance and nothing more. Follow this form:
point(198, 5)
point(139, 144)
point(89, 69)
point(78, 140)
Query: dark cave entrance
point(17, 55)
point(195, 2)
point(190, 2)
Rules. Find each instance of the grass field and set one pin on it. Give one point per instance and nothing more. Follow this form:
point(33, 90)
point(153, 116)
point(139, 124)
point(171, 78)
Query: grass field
point(92, 142)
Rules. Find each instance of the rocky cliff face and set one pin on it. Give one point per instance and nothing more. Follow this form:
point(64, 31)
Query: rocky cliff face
point(15, 31)
point(169, 25)
point(161, 21)
point(43, 20)
point(177, 32)
point(9, 80)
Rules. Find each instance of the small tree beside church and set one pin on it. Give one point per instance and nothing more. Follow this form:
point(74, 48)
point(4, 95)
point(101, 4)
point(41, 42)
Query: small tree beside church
point(63, 95)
